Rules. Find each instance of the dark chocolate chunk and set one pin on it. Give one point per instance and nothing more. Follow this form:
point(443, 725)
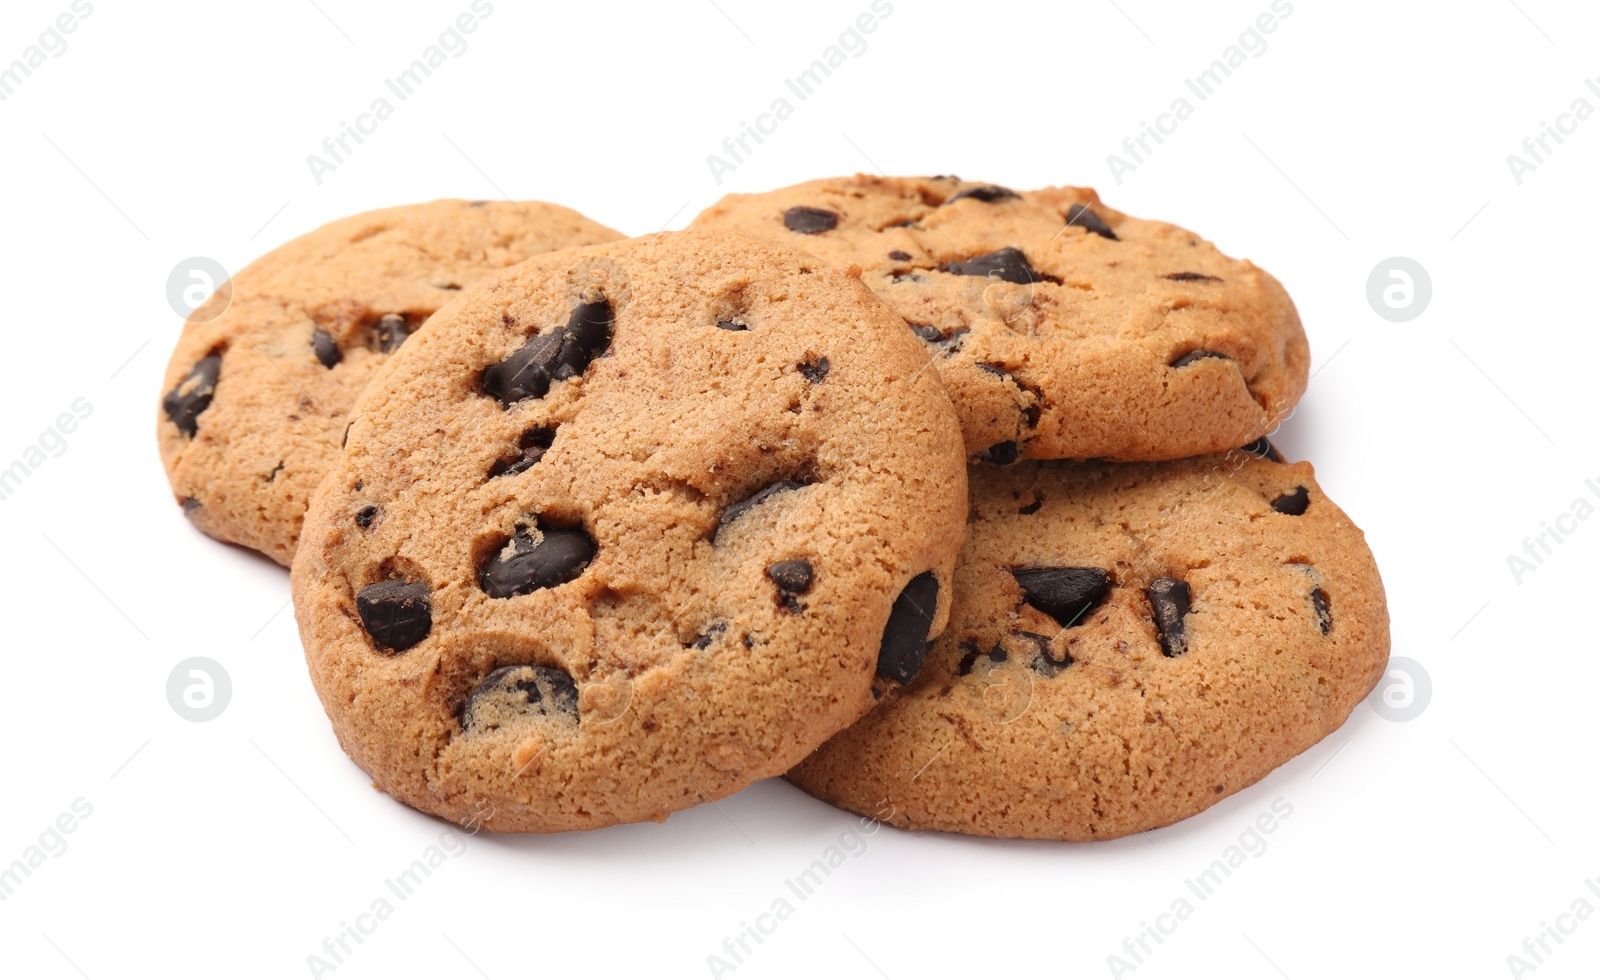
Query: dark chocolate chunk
point(397, 614)
point(810, 221)
point(533, 444)
point(793, 575)
point(1080, 216)
point(1319, 602)
point(1169, 605)
point(814, 369)
point(711, 635)
point(1266, 450)
point(737, 510)
point(1031, 508)
point(1007, 264)
point(521, 689)
point(390, 332)
point(1065, 594)
point(192, 395)
point(557, 556)
point(328, 353)
point(1293, 503)
point(586, 337)
point(1042, 660)
point(931, 334)
point(1001, 453)
point(732, 325)
point(365, 515)
point(900, 256)
point(190, 505)
point(988, 194)
point(970, 654)
point(1190, 277)
point(549, 357)
point(1198, 355)
point(905, 637)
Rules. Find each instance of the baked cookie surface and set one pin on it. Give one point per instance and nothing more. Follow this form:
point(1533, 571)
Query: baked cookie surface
point(1064, 329)
point(628, 528)
point(1128, 644)
point(255, 402)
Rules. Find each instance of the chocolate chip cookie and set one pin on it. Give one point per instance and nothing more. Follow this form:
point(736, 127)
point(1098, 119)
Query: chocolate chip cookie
point(1063, 329)
point(255, 402)
point(628, 528)
point(1128, 645)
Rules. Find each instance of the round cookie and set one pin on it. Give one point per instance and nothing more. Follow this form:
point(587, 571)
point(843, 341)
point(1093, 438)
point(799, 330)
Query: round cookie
point(256, 401)
point(1063, 329)
point(626, 529)
point(1128, 644)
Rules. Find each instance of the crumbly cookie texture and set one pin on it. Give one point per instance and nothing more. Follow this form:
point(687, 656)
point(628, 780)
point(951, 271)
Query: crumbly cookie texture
point(626, 529)
point(255, 402)
point(1129, 644)
point(1064, 329)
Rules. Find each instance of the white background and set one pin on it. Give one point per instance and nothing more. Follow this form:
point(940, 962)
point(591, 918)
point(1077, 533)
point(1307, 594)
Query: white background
point(1365, 130)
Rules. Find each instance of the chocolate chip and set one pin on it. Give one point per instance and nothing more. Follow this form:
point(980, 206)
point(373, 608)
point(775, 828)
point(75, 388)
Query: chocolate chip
point(1190, 277)
point(344, 440)
point(815, 369)
point(1319, 602)
point(732, 325)
point(520, 690)
point(1198, 355)
point(810, 221)
point(327, 351)
point(1261, 447)
point(988, 194)
point(900, 256)
point(1001, 453)
point(365, 515)
point(793, 575)
point(1032, 508)
point(793, 578)
point(735, 511)
point(1066, 593)
point(390, 332)
point(190, 505)
point(994, 369)
point(905, 637)
point(970, 654)
point(533, 444)
point(711, 635)
point(1293, 503)
point(1042, 660)
point(396, 614)
point(905, 275)
point(935, 336)
point(1080, 216)
point(1169, 604)
point(1007, 264)
point(588, 334)
point(557, 556)
point(549, 357)
point(192, 395)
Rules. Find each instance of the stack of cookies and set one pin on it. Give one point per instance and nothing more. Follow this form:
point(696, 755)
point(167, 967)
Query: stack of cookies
point(952, 502)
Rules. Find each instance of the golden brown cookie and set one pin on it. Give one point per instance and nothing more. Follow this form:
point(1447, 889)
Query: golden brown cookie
point(1129, 644)
point(256, 401)
point(628, 528)
point(1064, 329)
